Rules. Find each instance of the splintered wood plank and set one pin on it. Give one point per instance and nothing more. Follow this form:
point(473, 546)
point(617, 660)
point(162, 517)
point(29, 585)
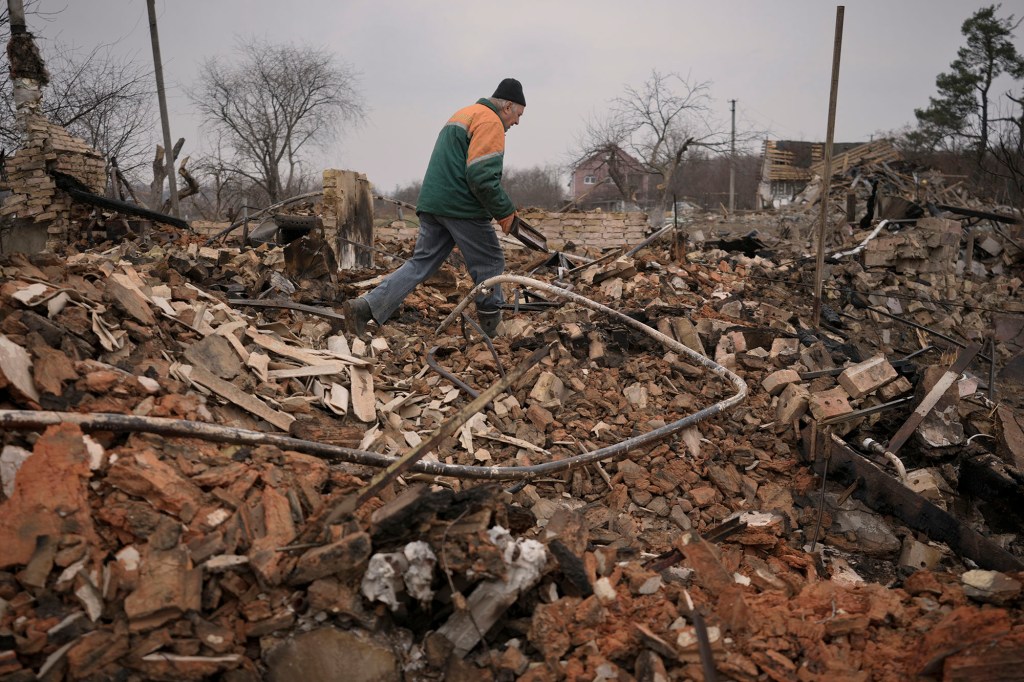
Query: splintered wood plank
point(933, 396)
point(16, 369)
point(259, 362)
point(244, 400)
point(331, 367)
point(121, 289)
point(328, 431)
point(363, 400)
point(306, 356)
point(227, 330)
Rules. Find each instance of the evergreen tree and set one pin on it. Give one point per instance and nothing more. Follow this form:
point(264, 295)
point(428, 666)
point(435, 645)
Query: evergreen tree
point(959, 118)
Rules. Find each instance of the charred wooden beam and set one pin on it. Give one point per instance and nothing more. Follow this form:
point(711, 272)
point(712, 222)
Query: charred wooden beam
point(984, 215)
point(886, 495)
point(998, 486)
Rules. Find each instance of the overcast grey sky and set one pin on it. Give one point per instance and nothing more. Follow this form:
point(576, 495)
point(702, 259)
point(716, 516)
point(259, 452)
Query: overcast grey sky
point(420, 61)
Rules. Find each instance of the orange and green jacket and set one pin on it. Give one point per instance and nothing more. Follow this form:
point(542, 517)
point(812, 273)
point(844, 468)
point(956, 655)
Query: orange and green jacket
point(463, 179)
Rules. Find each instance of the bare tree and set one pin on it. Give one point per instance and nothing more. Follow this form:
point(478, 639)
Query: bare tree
point(656, 123)
point(536, 187)
point(271, 104)
point(222, 192)
point(604, 142)
point(104, 99)
point(1006, 147)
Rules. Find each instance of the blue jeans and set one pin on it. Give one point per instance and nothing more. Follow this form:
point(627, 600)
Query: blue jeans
point(480, 248)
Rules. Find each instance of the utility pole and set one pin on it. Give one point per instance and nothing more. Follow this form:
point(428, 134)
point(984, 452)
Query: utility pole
point(16, 11)
point(732, 161)
point(162, 98)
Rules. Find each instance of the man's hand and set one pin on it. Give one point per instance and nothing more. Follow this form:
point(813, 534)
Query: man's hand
point(506, 222)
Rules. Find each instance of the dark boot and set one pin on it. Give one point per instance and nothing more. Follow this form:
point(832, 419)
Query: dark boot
point(489, 321)
point(357, 314)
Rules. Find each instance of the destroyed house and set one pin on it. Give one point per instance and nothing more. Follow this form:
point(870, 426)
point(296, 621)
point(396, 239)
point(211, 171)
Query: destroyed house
point(787, 167)
point(593, 187)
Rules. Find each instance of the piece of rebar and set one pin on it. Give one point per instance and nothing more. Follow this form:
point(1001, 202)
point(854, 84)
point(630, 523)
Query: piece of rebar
point(707, 656)
point(487, 341)
point(611, 255)
point(865, 411)
point(301, 307)
point(650, 240)
point(992, 366)
point(915, 325)
point(433, 364)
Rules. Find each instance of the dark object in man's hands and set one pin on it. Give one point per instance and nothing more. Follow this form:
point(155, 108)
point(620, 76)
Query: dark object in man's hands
point(530, 236)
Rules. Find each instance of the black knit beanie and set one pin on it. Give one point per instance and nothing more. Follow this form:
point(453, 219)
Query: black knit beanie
point(512, 90)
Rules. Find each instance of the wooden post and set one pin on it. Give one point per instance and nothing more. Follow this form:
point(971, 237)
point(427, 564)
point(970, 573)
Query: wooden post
point(826, 178)
point(851, 207)
point(349, 202)
point(158, 71)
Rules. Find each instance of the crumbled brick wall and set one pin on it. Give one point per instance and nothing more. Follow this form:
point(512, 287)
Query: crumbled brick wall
point(592, 229)
point(930, 246)
point(35, 200)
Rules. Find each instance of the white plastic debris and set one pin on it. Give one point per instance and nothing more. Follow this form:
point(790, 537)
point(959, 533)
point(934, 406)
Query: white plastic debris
point(383, 578)
point(11, 459)
point(420, 572)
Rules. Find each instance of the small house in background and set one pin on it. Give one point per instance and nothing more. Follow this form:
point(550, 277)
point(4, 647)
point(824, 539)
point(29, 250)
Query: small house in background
point(592, 185)
point(788, 165)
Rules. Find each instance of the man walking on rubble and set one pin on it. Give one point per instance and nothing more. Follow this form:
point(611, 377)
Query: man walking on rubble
point(461, 193)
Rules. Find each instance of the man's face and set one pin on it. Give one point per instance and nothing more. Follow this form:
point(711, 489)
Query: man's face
point(510, 114)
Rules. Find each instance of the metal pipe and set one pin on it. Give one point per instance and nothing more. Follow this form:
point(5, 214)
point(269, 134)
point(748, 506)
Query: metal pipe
point(667, 341)
point(860, 247)
point(632, 443)
point(32, 420)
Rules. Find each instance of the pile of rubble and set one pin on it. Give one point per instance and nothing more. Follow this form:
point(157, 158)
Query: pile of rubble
point(200, 471)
